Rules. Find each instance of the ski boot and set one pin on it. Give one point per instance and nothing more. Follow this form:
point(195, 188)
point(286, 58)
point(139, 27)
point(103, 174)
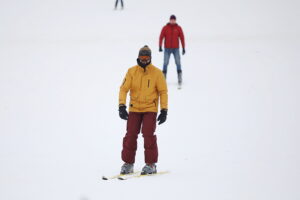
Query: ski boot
point(149, 169)
point(126, 168)
point(179, 72)
point(165, 74)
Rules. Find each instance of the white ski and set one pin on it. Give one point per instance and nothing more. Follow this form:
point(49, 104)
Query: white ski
point(179, 86)
point(140, 175)
point(120, 175)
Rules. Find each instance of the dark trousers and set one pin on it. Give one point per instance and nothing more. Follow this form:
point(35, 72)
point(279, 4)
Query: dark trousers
point(117, 1)
point(146, 123)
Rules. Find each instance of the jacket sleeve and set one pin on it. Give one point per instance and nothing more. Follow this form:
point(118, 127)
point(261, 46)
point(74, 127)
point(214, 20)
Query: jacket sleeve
point(163, 91)
point(124, 88)
point(181, 36)
point(162, 36)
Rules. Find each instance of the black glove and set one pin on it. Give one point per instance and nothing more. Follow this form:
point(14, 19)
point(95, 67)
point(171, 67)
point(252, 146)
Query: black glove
point(183, 51)
point(160, 49)
point(162, 116)
point(122, 112)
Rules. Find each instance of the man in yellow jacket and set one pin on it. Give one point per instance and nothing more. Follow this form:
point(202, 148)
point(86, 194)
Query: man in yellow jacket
point(148, 88)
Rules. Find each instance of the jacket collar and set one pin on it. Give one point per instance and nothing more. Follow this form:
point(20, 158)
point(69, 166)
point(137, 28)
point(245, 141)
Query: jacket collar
point(172, 25)
point(146, 69)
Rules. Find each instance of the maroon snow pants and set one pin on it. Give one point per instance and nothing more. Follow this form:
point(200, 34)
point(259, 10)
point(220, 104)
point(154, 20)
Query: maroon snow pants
point(136, 123)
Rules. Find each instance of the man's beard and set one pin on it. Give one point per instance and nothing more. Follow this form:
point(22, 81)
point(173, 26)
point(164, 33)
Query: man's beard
point(143, 64)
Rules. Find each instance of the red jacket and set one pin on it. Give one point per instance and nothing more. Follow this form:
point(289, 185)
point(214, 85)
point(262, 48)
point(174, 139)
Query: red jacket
point(171, 34)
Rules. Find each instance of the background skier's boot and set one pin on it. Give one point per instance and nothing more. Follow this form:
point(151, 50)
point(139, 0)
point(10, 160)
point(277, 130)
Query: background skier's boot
point(149, 169)
point(179, 72)
point(127, 168)
point(165, 74)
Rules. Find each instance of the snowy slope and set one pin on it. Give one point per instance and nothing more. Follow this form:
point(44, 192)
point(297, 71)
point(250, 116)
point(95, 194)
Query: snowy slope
point(232, 132)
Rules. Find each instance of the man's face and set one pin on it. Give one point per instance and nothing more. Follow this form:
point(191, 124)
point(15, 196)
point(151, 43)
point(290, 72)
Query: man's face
point(144, 59)
point(172, 21)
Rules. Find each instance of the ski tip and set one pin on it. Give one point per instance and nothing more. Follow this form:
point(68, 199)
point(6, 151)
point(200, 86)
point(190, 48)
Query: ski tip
point(121, 178)
point(104, 178)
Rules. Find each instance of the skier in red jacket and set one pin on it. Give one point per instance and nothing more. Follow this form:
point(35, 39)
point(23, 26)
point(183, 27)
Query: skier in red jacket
point(171, 34)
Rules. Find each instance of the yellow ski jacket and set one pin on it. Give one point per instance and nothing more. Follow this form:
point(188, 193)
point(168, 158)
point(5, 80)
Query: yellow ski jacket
point(146, 87)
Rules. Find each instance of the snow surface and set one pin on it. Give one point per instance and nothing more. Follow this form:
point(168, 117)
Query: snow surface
point(232, 133)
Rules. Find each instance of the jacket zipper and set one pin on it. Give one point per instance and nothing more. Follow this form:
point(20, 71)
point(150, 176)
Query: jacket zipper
point(148, 83)
point(141, 86)
point(172, 37)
